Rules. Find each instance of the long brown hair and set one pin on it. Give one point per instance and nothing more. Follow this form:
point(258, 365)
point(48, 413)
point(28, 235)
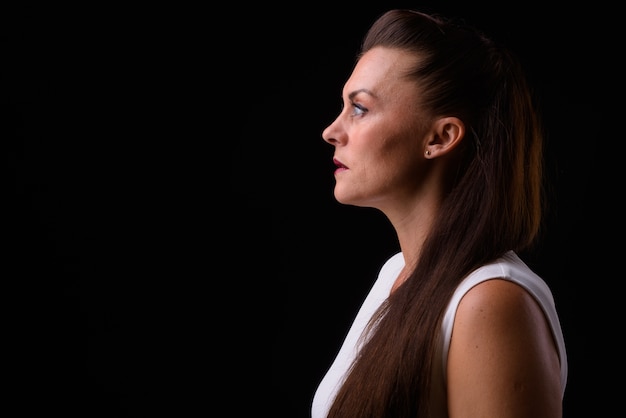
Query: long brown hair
point(494, 204)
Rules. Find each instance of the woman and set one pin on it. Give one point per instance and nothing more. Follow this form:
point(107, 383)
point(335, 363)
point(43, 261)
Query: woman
point(440, 132)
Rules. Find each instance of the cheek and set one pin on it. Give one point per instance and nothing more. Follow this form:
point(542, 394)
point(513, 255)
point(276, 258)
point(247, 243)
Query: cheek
point(403, 149)
point(403, 161)
point(390, 152)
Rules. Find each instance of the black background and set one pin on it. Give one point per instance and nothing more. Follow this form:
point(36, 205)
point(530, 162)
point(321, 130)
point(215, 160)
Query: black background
point(146, 276)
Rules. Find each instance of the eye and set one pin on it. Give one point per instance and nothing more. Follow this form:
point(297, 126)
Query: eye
point(357, 109)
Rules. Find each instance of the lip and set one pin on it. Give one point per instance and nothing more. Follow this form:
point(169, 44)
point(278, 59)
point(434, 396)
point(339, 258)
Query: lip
point(340, 166)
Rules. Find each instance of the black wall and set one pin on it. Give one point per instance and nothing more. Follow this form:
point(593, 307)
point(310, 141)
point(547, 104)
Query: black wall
point(145, 276)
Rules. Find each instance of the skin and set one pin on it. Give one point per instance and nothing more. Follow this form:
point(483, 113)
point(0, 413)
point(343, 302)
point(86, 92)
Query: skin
point(502, 360)
point(381, 136)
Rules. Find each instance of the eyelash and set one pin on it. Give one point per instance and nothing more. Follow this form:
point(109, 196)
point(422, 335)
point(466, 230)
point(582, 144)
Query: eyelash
point(357, 110)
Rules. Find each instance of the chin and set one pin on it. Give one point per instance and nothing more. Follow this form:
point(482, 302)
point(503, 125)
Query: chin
point(346, 199)
point(342, 198)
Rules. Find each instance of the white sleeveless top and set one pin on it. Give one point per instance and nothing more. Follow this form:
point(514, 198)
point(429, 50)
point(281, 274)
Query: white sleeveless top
point(509, 267)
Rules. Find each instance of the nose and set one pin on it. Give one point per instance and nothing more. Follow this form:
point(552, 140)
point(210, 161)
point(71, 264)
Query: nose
point(332, 132)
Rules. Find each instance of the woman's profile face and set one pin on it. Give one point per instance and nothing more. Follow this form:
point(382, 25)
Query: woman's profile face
point(379, 136)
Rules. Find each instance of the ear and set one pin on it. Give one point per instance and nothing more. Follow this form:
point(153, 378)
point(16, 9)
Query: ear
point(448, 132)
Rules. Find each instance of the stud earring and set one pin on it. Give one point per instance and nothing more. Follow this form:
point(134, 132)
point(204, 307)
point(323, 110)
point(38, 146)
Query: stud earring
point(427, 152)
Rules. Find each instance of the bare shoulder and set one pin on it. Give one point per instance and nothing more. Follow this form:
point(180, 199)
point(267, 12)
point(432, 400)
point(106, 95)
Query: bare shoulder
point(499, 314)
point(498, 300)
point(502, 360)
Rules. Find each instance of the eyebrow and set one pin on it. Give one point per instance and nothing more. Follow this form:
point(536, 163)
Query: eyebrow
point(355, 92)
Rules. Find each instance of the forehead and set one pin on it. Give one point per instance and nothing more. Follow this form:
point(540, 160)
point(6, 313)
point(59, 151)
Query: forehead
point(382, 70)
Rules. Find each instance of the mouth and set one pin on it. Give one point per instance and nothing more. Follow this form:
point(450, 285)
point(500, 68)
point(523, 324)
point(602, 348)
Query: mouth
point(339, 164)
